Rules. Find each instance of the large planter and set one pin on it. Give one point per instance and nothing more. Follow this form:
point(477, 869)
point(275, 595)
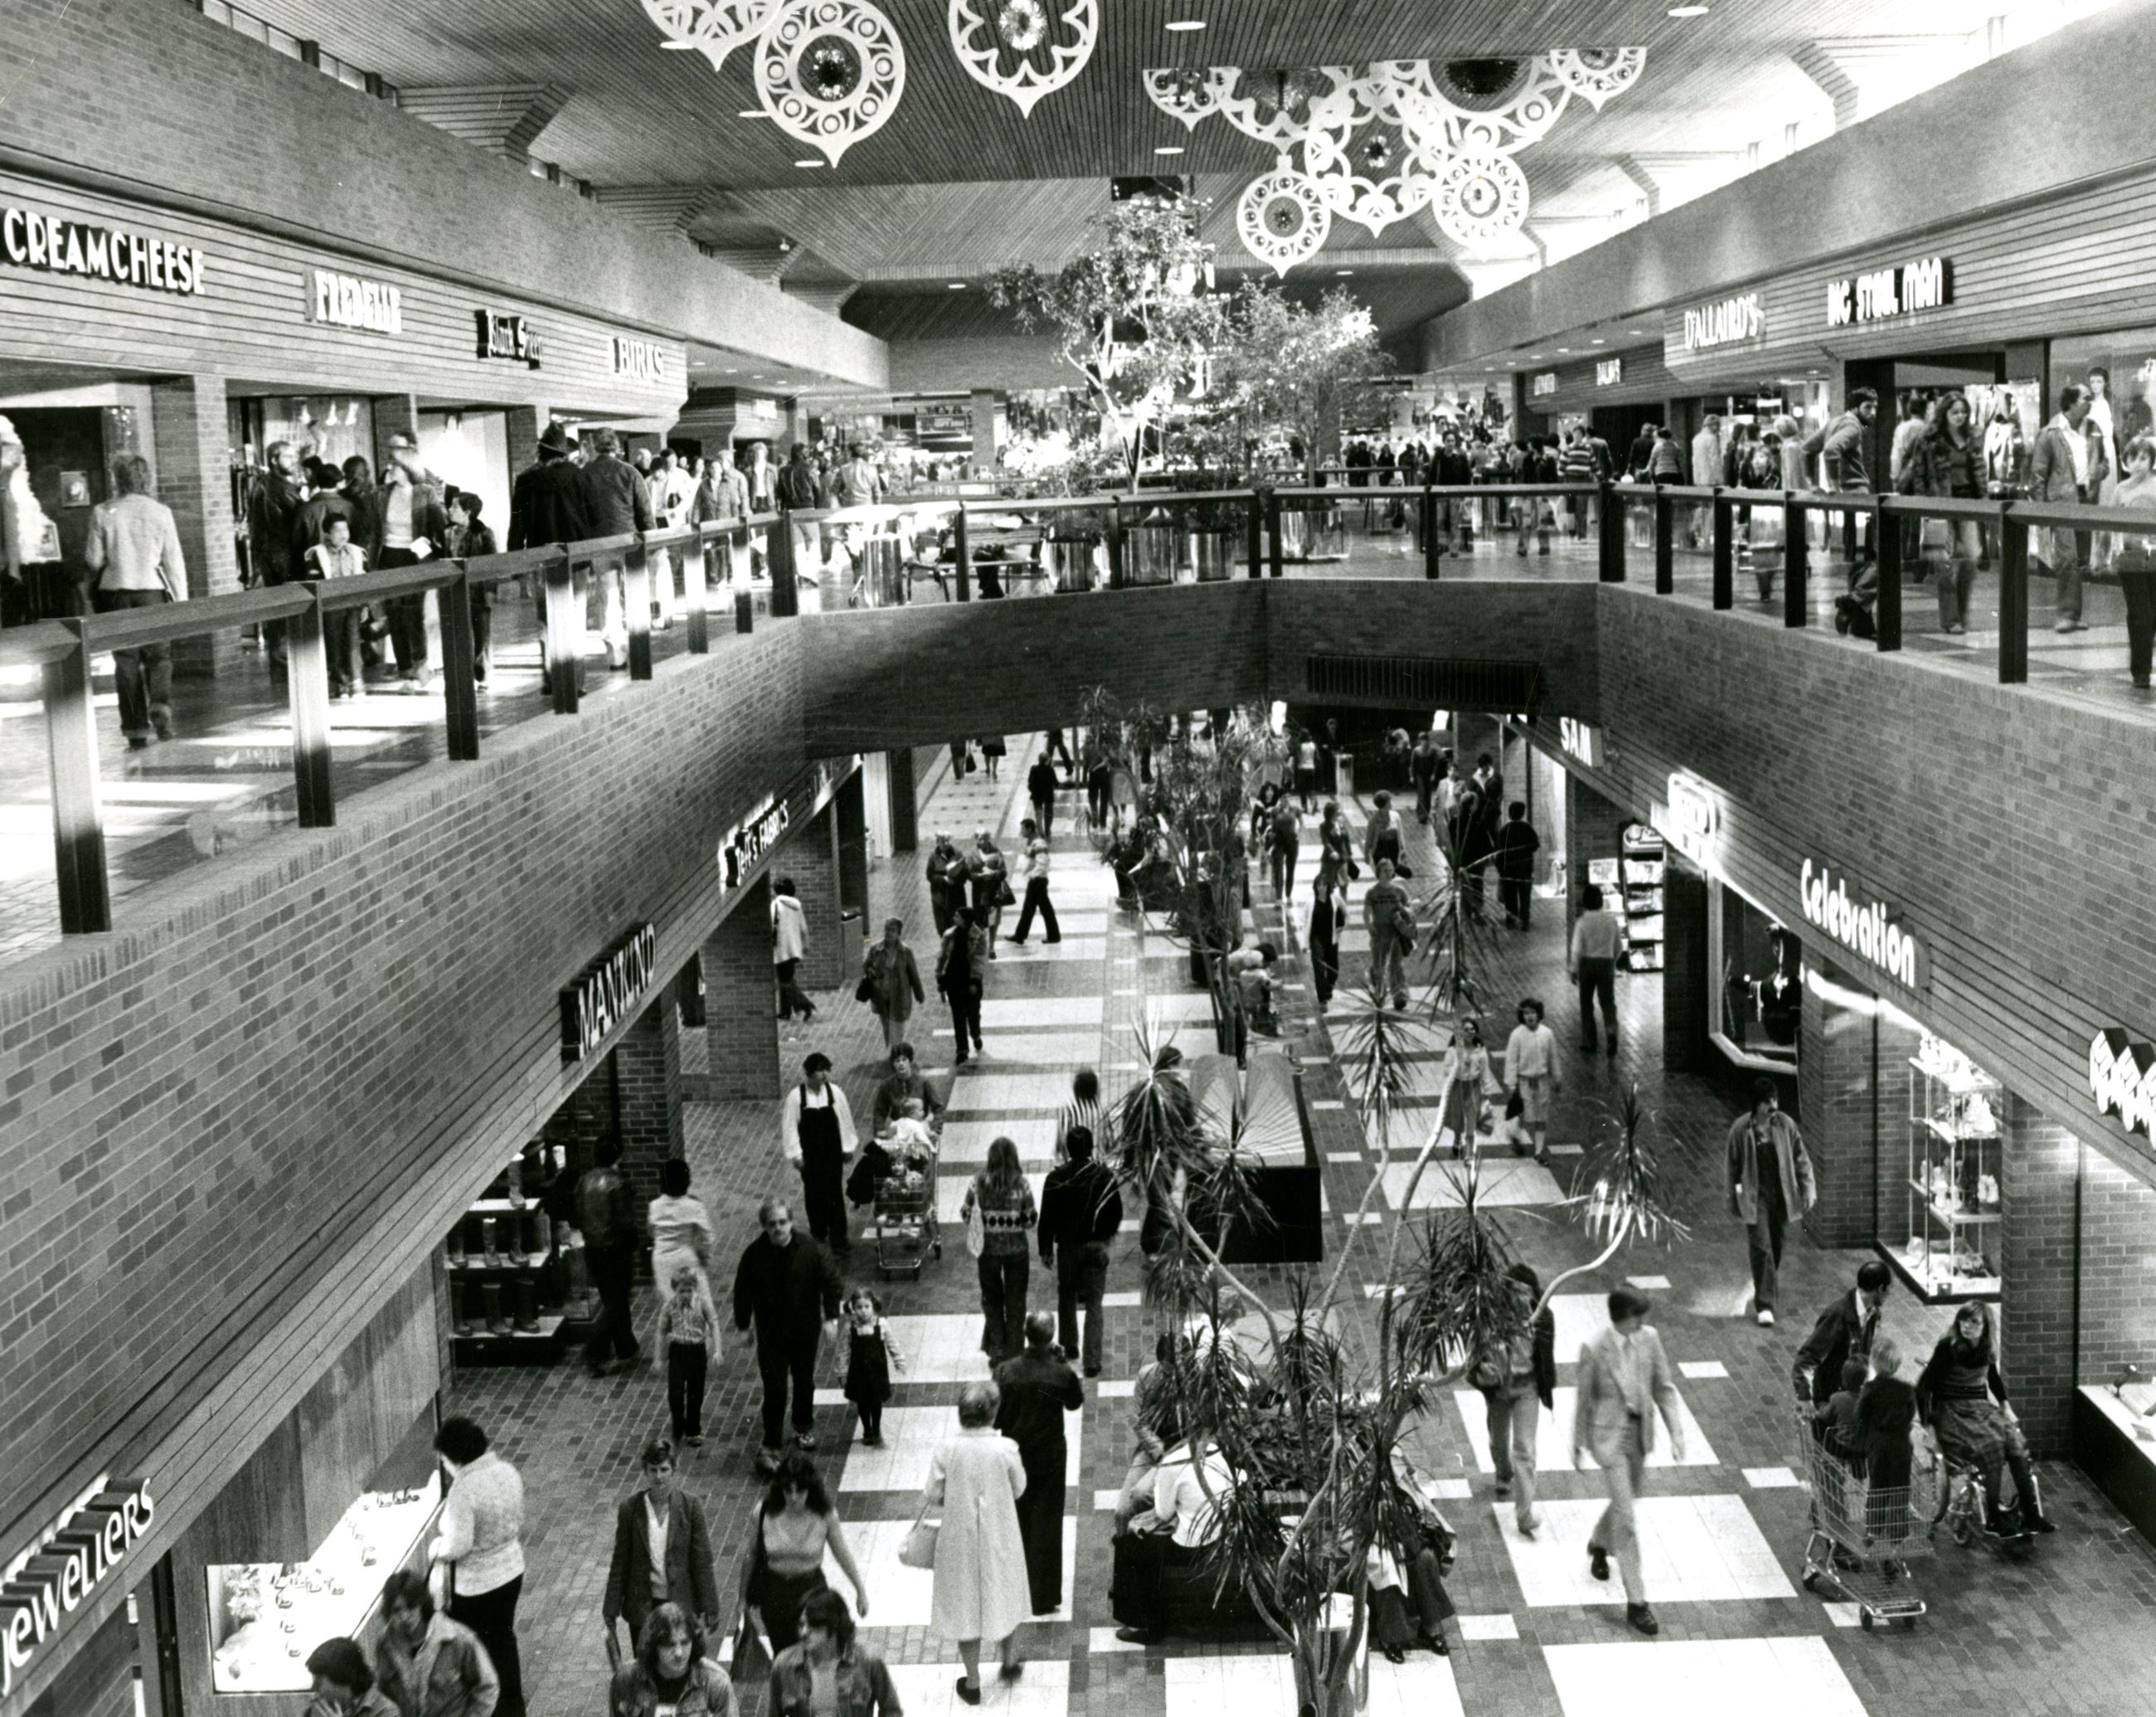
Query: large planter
point(883, 572)
point(1070, 562)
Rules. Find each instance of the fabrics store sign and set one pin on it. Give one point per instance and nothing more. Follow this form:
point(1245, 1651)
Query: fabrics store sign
point(59, 246)
point(2121, 1076)
point(1887, 292)
point(348, 301)
point(1868, 928)
point(73, 1558)
point(1728, 321)
point(750, 842)
point(608, 991)
point(1692, 820)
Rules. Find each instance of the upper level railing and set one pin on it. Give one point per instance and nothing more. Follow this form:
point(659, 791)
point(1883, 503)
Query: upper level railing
point(972, 548)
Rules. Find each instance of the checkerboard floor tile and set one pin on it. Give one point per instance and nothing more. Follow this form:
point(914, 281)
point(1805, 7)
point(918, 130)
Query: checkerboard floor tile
point(1421, 1687)
point(1554, 1434)
point(1071, 1049)
point(941, 1348)
point(900, 1597)
point(931, 1689)
point(1760, 1678)
point(1693, 1549)
point(1207, 1687)
point(912, 1436)
point(1504, 1181)
point(965, 1144)
point(977, 1090)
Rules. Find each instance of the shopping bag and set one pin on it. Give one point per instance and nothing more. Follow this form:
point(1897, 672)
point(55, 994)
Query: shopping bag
point(919, 1549)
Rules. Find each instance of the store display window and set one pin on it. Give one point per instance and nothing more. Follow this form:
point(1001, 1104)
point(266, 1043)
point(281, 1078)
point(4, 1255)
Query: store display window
point(1639, 876)
point(1950, 1246)
point(333, 427)
point(264, 1617)
point(2123, 409)
point(1756, 981)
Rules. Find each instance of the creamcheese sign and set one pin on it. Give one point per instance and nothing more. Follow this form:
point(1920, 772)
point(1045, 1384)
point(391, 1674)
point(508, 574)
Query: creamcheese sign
point(77, 1554)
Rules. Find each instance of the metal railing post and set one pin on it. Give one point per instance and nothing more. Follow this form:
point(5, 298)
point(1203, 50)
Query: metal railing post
point(459, 668)
point(785, 592)
point(1725, 550)
point(1610, 547)
point(2012, 601)
point(1254, 533)
point(1432, 550)
point(1887, 537)
point(565, 634)
point(1796, 564)
point(1273, 556)
point(961, 587)
point(308, 686)
point(1116, 547)
point(78, 819)
point(1666, 544)
point(636, 599)
point(697, 594)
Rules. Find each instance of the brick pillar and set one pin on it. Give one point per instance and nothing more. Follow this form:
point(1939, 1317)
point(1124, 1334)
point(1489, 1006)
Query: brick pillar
point(905, 812)
point(982, 411)
point(741, 1001)
point(689, 993)
point(584, 1118)
point(2037, 1258)
point(526, 424)
point(2117, 1260)
point(811, 858)
point(1592, 828)
point(1685, 1046)
point(190, 426)
point(1842, 1105)
point(849, 809)
point(647, 1085)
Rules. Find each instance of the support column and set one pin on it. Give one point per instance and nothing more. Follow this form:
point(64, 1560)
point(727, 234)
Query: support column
point(647, 1068)
point(905, 812)
point(741, 1001)
point(849, 808)
point(1685, 1017)
point(394, 414)
point(1846, 1098)
point(2117, 1275)
point(1593, 826)
point(984, 402)
point(189, 425)
point(2039, 1199)
point(526, 425)
point(811, 858)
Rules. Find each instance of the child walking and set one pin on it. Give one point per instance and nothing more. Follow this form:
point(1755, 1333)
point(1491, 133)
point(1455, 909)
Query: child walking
point(689, 1326)
point(871, 1358)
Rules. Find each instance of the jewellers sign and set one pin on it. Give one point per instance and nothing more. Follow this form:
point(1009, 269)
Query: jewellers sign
point(1869, 929)
point(1608, 371)
point(29, 239)
point(1729, 321)
point(510, 338)
point(607, 992)
point(56, 1576)
point(2122, 1075)
point(1692, 820)
point(1901, 291)
point(641, 360)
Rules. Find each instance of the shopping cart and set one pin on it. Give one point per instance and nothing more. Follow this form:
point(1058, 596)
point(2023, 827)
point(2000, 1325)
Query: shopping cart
point(1863, 1536)
point(909, 1232)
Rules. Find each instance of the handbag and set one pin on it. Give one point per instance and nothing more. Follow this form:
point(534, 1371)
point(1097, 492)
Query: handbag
point(919, 1549)
point(865, 990)
point(1003, 895)
point(977, 1229)
point(1515, 1107)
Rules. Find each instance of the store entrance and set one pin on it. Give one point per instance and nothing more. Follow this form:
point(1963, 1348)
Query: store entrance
point(63, 473)
point(1620, 426)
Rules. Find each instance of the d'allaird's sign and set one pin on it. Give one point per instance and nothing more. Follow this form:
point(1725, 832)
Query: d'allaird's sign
point(56, 1576)
point(2122, 1074)
point(1727, 321)
point(607, 992)
point(1868, 928)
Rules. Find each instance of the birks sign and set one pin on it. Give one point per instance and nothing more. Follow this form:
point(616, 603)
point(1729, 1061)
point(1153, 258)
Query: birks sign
point(641, 360)
point(607, 991)
point(29, 239)
point(1727, 322)
point(1869, 929)
point(56, 1576)
point(1912, 286)
point(2122, 1079)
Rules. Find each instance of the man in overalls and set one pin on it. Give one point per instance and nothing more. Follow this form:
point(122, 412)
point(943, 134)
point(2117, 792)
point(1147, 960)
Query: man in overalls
point(816, 1132)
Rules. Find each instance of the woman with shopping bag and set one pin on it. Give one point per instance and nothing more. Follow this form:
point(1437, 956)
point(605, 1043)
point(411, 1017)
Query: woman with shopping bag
point(979, 1554)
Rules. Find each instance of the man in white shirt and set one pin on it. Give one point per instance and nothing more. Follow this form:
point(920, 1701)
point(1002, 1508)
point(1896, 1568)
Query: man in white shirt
point(2063, 469)
point(1597, 940)
point(1036, 888)
point(816, 1136)
point(1705, 473)
point(1167, 1539)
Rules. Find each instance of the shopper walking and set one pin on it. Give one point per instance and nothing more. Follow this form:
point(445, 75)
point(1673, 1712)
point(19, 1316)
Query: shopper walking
point(1040, 792)
point(662, 1554)
point(690, 1336)
point(829, 1655)
point(606, 1212)
point(1389, 919)
point(428, 1664)
point(480, 1548)
point(1517, 844)
point(816, 1136)
point(133, 553)
point(415, 528)
point(903, 1081)
point(1947, 462)
point(961, 980)
point(672, 1673)
point(797, 1526)
point(1426, 765)
point(2136, 560)
point(1035, 1389)
point(1845, 1331)
point(548, 505)
point(1626, 1379)
point(1518, 1382)
point(979, 1592)
point(1596, 940)
point(789, 946)
point(1081, 1213)
point(785, 1287)
point(1769, 1177)
point(680, 1227)
point(890, 982)
point(344, 1682)
point(998, 1216)
point(988, 876)
point(1531, 1077)
point(2066, 467)
point(617, 502)
point(1328, 917)
point(947, 880)
point(1037, 859)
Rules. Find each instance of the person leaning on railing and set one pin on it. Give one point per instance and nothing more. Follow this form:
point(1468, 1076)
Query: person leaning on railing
point(2136, 561)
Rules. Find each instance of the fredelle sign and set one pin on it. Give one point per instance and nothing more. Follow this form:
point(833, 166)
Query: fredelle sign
point(1867, 928)
point(2122, 1079)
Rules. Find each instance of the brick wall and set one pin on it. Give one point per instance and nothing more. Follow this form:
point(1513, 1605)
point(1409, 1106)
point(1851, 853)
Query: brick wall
point(1845, 1104)
point(1593, 826)
point(647, 1093)
point(2036, 1314)
point(188, 424)
point(2117, 1271)
point(740, 1002)
point(1685, 1046)
point(811, 858)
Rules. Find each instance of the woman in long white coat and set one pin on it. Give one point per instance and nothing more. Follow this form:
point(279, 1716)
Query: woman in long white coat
point(980, 1585)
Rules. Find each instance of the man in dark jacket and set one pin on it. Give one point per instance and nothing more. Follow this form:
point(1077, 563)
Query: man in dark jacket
point(783, 1283)
point(606, 1213)
point(1040, 788)
point(1080, 1210)
point(415, 528)
point(617, 500)
point(273, 555)
point(1843, 1332)
point(637, 1585)
point(548, 506)
point(1517, 844)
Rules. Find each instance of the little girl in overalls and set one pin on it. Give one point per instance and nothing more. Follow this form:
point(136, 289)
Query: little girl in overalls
point(871, 1357)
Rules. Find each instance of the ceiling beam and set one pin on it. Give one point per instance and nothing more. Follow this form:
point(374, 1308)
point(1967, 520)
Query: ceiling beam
point(504, 118)
point(661, 208)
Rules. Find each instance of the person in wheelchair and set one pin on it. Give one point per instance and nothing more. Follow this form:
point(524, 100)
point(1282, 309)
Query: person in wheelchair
point(1961, 1397)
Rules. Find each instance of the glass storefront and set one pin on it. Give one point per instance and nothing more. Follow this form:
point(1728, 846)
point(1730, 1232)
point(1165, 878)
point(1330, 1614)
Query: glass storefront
point(2120, 369)
point(1755, 982)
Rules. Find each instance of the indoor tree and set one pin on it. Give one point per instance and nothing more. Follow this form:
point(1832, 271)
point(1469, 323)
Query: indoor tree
point(1303, 369)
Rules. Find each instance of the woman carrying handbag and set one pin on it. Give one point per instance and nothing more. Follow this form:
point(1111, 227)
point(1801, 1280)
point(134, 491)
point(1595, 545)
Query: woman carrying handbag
point(979, 1553)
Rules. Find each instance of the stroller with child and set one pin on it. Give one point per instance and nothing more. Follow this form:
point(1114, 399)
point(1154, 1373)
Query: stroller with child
point(896, 1173)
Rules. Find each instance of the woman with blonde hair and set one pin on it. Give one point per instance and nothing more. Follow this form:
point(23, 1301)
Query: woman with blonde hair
point(979, 1594)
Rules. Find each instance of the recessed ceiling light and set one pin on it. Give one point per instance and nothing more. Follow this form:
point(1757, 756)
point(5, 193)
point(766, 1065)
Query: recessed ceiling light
point(806, 163)
point(1343, 271)
point(1169, 149)
point(957, 286)
point(1687, 12)
point(1600, 342)
point(752, 113)
point(1563, 350)
point(1187, 24)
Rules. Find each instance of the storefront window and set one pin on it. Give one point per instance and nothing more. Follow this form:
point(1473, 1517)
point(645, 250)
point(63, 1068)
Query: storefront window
point(1951, 1250)
point(331, 426)
point(1755, 976)
point(2127, 361)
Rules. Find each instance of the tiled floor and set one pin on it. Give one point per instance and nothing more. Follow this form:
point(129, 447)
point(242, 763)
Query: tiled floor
point(2066, 1632)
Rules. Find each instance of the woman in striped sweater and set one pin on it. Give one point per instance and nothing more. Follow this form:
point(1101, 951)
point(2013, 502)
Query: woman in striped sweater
point(1002, 1198)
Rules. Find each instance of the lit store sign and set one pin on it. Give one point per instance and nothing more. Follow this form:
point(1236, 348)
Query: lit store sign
point(1886, 292)
point(1580, 742)
point(66, 247)
point(56, 1576)
point(1692, 820)
point(1727, 322)
point(2122, 1079)
point(348, 301)
point(749, 842)
point(641, 360)
point(1867, 928)
point(1544, 385)
point(607, 992)
point(1608, 371)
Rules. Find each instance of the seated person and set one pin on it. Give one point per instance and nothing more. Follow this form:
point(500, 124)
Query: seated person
point(1154, 1427)
point(1409, 1602)
point(1833, 1421)
point(1961, 1397)
point(1250, 969)
point(1167, 1539)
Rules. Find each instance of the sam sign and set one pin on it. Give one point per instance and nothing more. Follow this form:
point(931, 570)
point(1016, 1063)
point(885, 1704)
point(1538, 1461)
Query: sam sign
point(607, 992)
point(1868, 928)
point(1904, 290)
point(56, 1576)
point(1580, 742)
point(2121, 1075)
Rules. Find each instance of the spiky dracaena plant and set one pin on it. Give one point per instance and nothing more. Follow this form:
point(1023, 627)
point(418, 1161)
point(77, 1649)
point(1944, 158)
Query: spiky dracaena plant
point(1617, 1193)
